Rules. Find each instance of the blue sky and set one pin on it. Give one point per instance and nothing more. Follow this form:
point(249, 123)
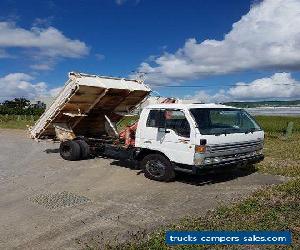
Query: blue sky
point(116, 37)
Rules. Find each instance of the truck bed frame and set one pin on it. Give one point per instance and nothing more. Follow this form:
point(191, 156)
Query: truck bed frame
point(84, 102)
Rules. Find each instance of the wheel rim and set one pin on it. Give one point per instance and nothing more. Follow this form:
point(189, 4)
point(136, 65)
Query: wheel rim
point(155, 168)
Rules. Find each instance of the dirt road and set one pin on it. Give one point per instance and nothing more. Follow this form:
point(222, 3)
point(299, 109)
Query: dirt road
point(49, 203)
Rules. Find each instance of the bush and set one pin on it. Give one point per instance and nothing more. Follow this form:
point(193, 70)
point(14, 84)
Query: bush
point(20, 111)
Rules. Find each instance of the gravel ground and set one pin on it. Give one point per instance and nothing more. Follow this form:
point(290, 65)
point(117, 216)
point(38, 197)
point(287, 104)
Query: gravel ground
point(49, 203)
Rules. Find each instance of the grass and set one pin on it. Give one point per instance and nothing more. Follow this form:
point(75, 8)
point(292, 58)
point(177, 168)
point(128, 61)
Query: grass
point(282, 157)
point(16, 121)
point(127, 120)
point(277, 124)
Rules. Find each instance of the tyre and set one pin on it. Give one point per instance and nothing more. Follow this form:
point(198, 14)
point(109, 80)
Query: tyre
point(157, 167)
point(85, 149)
point(70, 150)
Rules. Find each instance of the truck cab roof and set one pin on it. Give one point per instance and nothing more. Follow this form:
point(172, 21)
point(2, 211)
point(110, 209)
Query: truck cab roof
point(187, 106)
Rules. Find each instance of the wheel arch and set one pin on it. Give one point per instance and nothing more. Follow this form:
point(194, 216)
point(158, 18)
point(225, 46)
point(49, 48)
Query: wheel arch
point(145, 151)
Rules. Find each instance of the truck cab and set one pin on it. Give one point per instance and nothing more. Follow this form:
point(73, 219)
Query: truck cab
point(193, 137)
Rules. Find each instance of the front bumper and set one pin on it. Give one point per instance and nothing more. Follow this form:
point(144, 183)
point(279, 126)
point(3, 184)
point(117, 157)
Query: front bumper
point(237, 161)
point(230, 163)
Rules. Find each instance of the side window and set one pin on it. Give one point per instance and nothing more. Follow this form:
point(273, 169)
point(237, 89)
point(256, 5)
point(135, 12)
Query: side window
point(171, 119)
point(176, 120)
point(156, 119)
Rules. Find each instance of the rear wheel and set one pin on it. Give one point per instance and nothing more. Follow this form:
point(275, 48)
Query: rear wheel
point(157, 167)
point(70, 150)
point(85, 149)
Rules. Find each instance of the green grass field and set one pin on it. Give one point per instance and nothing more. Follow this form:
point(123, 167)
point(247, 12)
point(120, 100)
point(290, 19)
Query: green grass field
point(277, 124)
point(17, 121)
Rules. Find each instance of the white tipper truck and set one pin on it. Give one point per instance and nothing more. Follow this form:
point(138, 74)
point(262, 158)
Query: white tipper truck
point(192, 137)
point(166, 138)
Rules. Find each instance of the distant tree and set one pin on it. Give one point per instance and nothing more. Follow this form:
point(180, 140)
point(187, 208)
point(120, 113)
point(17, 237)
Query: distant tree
point(17, 103)
point(20, 106)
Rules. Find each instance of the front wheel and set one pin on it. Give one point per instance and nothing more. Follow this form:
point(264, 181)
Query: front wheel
point(157, 167)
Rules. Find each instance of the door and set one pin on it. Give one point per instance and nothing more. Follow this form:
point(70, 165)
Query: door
point(169, 131)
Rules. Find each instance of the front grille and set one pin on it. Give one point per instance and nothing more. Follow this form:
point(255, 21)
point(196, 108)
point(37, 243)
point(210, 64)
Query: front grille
point(241, 147)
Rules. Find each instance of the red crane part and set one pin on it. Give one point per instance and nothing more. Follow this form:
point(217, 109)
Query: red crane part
point(128, 134)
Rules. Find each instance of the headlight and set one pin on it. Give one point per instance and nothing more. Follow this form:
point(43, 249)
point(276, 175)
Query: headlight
point(207, 161)
point(212, 160)
point(216, 159)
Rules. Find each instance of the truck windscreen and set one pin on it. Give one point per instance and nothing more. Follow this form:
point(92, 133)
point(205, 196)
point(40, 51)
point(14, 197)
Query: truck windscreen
point(223, 121)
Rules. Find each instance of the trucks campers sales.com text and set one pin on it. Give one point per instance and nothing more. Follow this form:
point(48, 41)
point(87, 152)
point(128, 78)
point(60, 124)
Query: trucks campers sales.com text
point(229, 237)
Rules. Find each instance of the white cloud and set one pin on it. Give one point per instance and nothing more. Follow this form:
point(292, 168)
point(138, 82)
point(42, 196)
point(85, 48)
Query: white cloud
point(23, 85)
point(268, 36)
point(43, 44)
point(100, 57)
point(280, 86)
point(20, 85)
point(50, 41)
point(54, 92)
point(42, 22)
point(42, 66)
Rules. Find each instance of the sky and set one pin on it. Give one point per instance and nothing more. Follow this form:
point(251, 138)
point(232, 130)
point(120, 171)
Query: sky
point(205, 50)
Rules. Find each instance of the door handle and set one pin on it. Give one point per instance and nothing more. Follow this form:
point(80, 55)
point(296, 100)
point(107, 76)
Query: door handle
point(147, 142)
